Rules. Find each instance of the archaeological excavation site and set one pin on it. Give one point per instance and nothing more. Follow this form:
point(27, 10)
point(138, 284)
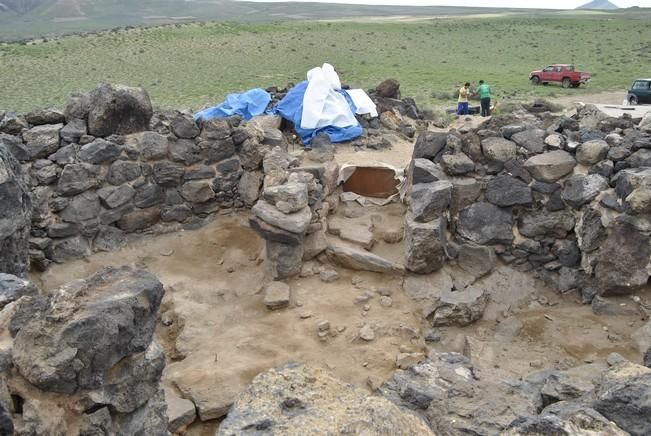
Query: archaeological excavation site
point(163, 274)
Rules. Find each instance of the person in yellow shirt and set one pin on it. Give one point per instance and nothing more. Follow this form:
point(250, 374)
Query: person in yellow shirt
point(464, 95)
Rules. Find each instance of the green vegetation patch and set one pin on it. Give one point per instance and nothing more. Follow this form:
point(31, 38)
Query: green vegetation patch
point(195, 65)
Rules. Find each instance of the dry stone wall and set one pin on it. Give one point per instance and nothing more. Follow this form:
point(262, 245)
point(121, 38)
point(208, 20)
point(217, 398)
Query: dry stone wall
point(565, 197)
point(107, 166)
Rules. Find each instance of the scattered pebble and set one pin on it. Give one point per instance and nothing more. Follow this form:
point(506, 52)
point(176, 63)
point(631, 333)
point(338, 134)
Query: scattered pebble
point(230, 269)
point(328, 276)
point(386, 301)
point(306, 315)
point(366, 333)
point(167, 252)
point(356, 281)
point(536, 364)
point(367, 307)
point(323, 326)
point(220, 261)
point(276, 295)
point(407, 360)
point(432, 336)
point(384, 291)
point(341, 328)
point(363, 298)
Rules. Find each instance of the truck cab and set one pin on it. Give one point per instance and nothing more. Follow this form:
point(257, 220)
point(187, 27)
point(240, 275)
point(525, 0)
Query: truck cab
point(640, 92)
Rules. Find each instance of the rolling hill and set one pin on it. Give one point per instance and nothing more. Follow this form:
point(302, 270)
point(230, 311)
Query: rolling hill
point(599, 4)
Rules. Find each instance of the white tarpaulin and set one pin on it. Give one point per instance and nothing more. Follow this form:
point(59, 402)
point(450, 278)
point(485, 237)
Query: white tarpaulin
point(324, 106)
point(363, 102)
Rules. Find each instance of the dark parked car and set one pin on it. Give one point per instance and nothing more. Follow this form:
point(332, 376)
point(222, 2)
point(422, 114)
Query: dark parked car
point(640, 92)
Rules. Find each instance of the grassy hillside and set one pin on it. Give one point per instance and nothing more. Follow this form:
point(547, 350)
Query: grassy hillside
point(26, 19)
point(194, 65)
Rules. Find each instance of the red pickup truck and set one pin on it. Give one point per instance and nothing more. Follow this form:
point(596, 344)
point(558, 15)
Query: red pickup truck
point(560, 73)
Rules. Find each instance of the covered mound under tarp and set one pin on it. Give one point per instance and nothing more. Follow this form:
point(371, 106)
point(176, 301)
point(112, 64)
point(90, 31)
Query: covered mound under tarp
point(247, 105)
point(319, 105)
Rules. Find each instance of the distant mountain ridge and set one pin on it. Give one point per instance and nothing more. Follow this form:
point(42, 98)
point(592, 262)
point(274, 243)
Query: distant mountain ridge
point(599, 4)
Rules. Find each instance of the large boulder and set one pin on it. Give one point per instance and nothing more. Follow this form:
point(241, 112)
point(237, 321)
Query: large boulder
point(645, 122)
point(532, 140)
point(622, 264)
point(12, 288)
point(505, 190)
point(86, 328)
point(539, 224)
point(579, 190)
point(485, 223)
point(118, 109)
point(625, 398)
point(99, 152)
point(425, 244)
point(549, 167)
point(296, 222)
point(42, 141)
point(457, 164)
point(77, 178)
point(498, 151)
point(389, 88)
point(430, 200)
point(425, 171)
point(460, 308)
point(361, 260)
point(15, 216)
point(288, 198)
point(430, 145)
point(284, 260)
point(591, 152)
point(295, 399)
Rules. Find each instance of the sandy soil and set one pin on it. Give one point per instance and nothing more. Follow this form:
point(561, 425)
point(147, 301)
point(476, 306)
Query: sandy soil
point(219, 334)
point(606, 97)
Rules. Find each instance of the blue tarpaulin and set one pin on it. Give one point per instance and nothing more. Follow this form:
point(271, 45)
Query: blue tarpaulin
point(291, 108)
point(247, 105)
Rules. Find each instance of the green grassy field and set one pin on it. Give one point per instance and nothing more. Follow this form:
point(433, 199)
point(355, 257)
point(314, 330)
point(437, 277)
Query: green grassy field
point(194, 65)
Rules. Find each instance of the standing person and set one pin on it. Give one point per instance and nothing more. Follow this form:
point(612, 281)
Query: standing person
point(484, 92)
point(462, 105)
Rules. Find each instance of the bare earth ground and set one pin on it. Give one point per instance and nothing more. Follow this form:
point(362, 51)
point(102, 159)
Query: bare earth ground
point(218, 334)
point(229, 336)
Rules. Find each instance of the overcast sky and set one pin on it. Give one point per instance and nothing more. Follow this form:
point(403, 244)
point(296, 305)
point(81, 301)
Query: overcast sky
point(548, 4)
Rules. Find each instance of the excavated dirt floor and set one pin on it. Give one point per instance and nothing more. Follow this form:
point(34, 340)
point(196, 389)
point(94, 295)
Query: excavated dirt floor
point(218, 334)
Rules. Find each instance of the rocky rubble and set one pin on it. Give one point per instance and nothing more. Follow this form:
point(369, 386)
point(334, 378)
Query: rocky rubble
point(84, 353)
point(445, 390)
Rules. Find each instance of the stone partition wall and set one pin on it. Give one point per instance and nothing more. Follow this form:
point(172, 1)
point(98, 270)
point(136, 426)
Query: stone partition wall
point(107, 166)
point(567, 197)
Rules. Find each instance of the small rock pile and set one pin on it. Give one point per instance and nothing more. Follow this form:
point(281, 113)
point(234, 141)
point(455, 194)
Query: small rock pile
point(290, 215)
point(80, 360)
point(568, 197)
